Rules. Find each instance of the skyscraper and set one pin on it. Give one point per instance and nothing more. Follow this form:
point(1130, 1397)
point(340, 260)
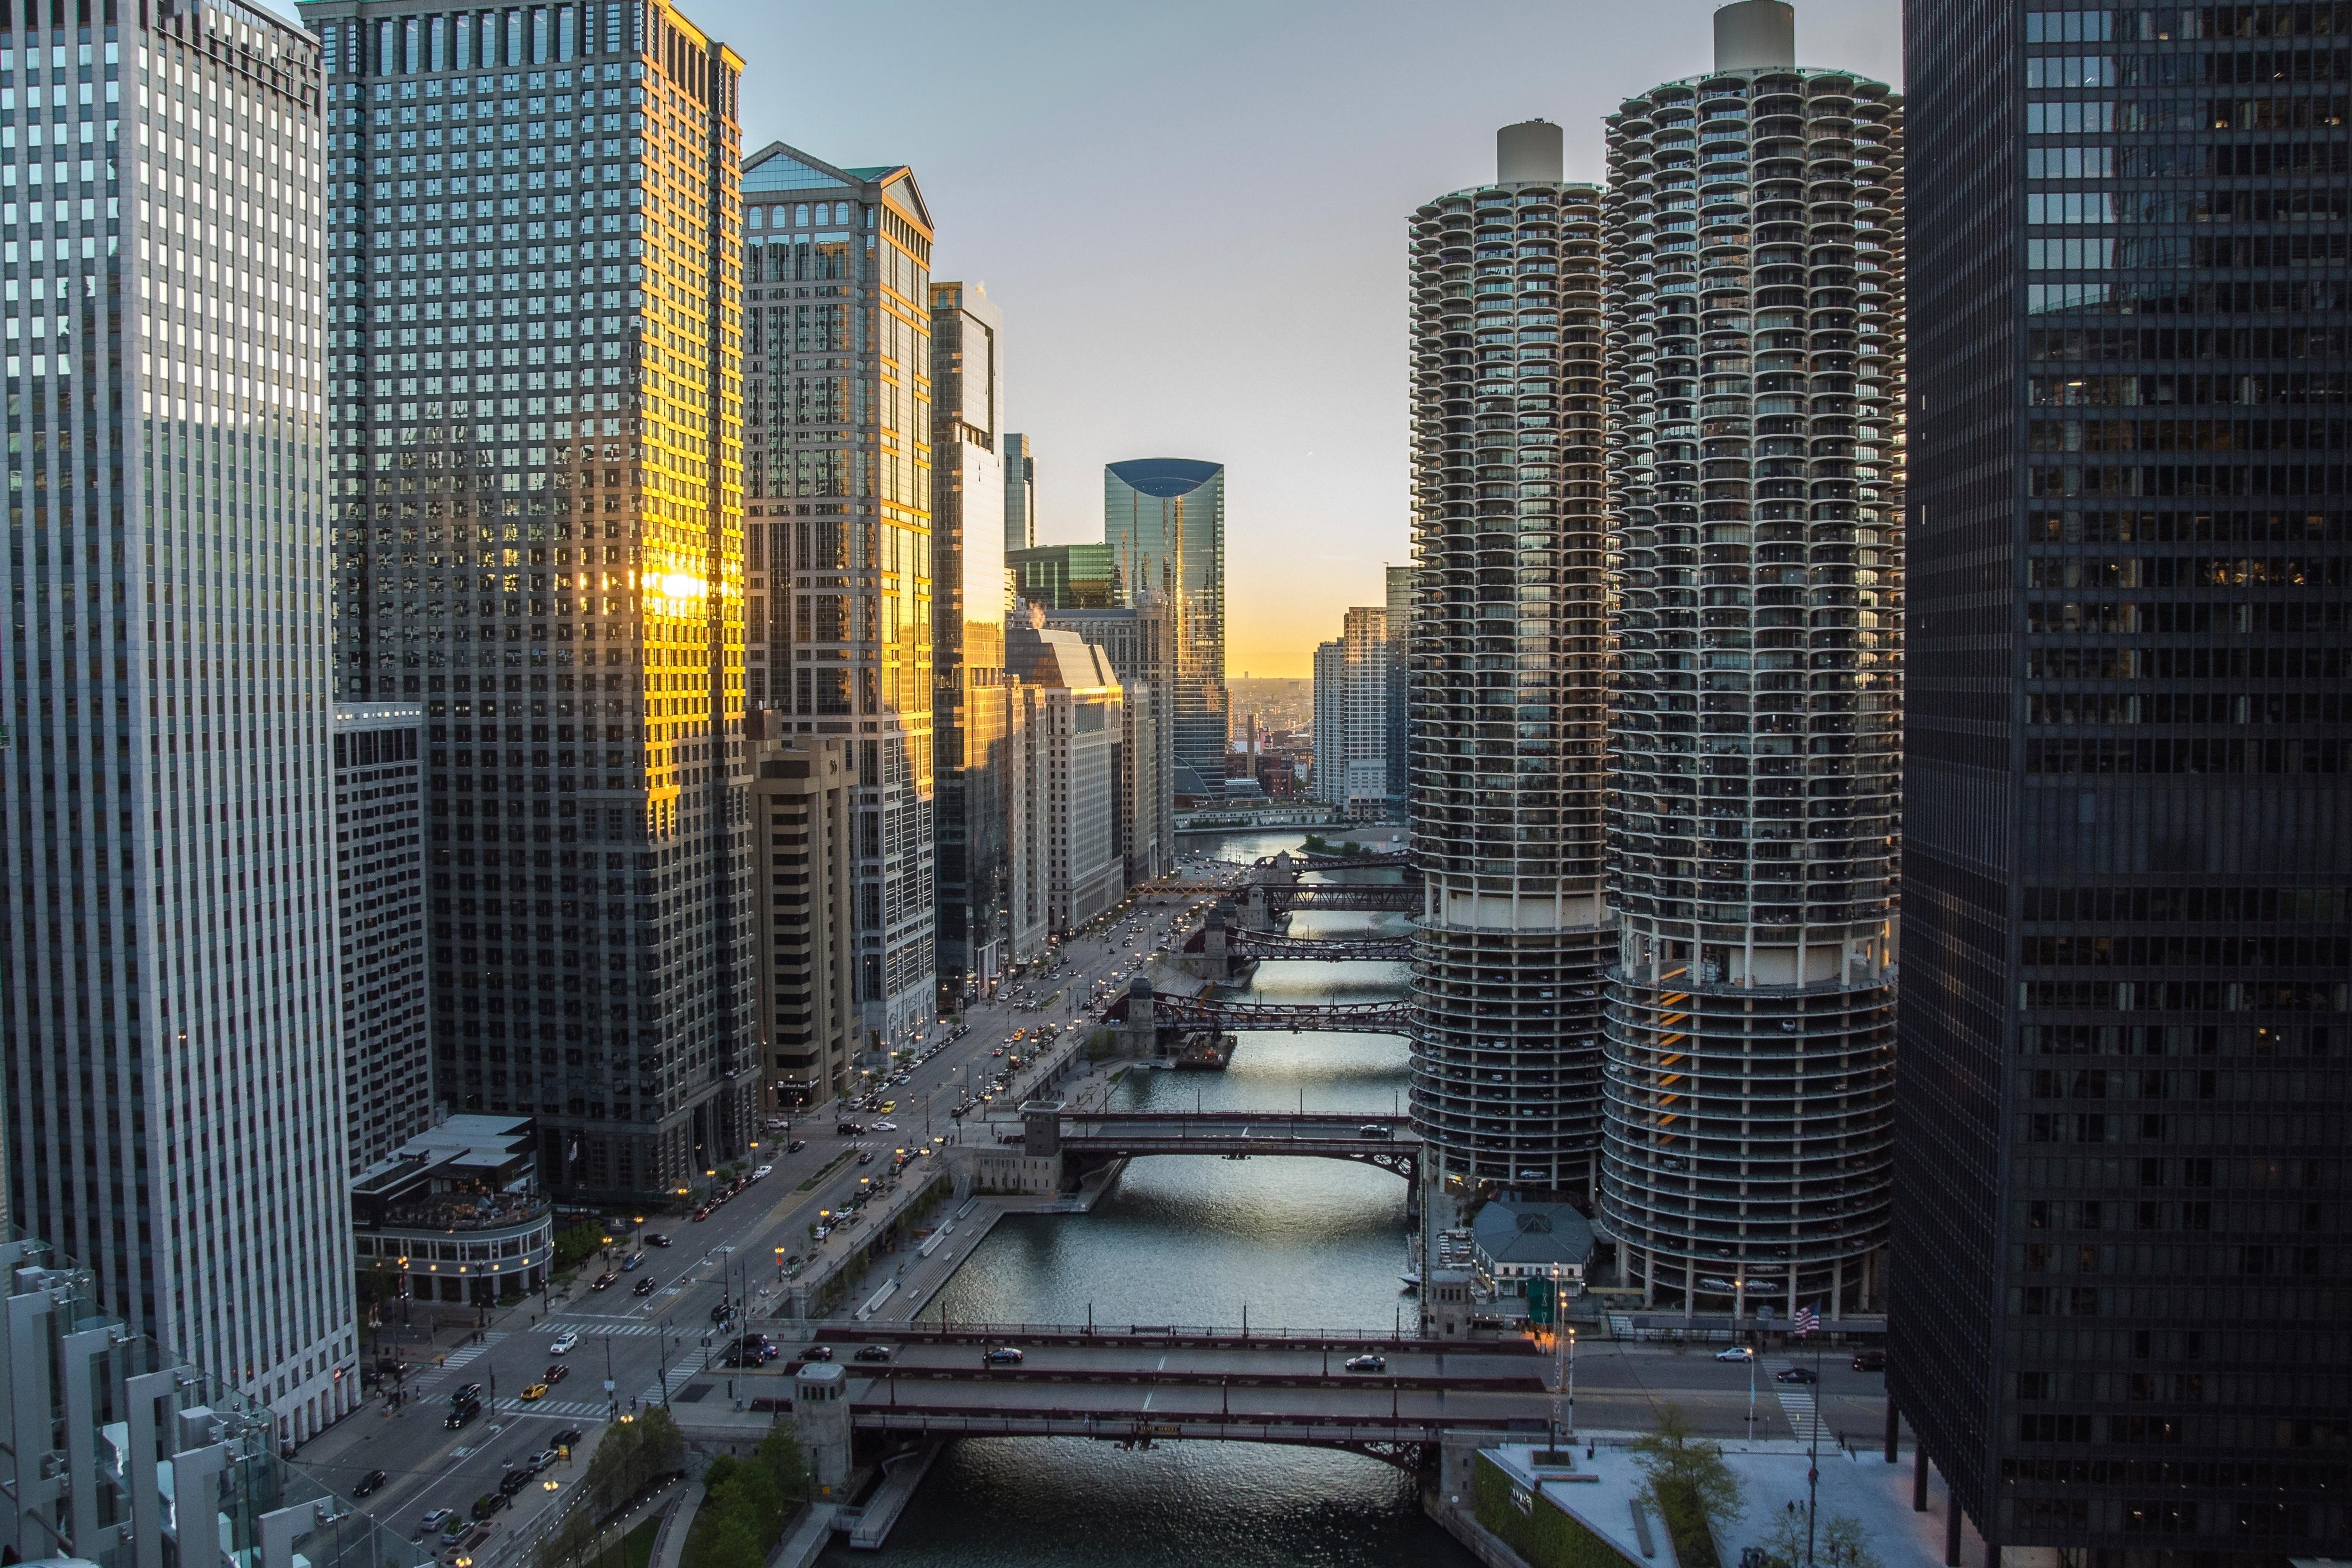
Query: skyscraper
point(969, 597)
point(1020, 494)
point(1351, 716)
point(1164, 519)
point(1756, 316)
point(536, 281)
point(2120, 1254)
point(1399, 603)
point(838, 366)
point(1507, 656)
point(1140, 646)
point(801, 803)
point(379, 919)
point(167, 955)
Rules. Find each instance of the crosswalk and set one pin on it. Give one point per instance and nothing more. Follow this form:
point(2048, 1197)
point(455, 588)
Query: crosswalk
point(455, 1360)
point(590, 1328)
point(570, 1409)
point(1798, 1404)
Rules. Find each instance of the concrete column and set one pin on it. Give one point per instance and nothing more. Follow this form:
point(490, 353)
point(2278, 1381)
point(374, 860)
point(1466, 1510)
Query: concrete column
point(1951, 1529)
point(1690, 1288)
point(1918, 1472)
point(1837, 1290)
point(1893, 1428)
point(1649, 1278)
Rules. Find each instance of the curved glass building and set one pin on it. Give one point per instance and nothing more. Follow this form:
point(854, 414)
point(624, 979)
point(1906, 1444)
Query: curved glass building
point(1507, 653)
point(1164, 521)
point(1755, 379)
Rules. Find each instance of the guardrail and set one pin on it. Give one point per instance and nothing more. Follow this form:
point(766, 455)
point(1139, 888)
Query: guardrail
point(1247, 1337)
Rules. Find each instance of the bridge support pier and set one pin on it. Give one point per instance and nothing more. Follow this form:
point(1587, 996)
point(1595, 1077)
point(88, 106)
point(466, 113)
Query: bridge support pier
point(1141, 1038)
point(822, 1421)
point(1216, 963)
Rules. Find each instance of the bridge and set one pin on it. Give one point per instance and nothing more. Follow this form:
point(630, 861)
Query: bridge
point(1184, 1013)
point(1313, 863)
point(1142, 1384)
point(1282, 900)
point(1241, 942)
point(1390, 1146)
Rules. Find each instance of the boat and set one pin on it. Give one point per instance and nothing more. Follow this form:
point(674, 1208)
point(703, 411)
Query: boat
point(1412, 1281)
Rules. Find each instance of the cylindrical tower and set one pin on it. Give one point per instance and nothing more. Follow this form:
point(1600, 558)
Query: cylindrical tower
point(1507, 772)
point(1754, 237)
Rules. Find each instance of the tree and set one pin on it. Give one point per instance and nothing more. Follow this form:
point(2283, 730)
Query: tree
point(780, 1451)
point(1843, 1544)
point(721, 1544)
point(569, 1544)
point(1688, 1483)
point(1784, 1542)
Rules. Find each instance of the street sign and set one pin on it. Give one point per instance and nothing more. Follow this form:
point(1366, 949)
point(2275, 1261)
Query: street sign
point(1539, 1301)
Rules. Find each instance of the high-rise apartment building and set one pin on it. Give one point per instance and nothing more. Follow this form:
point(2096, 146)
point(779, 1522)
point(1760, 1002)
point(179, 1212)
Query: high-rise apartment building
point(1353, 678)
point(1073, 733)
point(1164, 519)
point(168, 971)
point(534, 305)
point(1754, 254)
point(380, 922)
point(1507, 672)
point(1399, 605)
point(838, 366)
point(2119, 1258)
point(803, 790)
point(1020, 494)
point(969, 598)
point(1141, 645)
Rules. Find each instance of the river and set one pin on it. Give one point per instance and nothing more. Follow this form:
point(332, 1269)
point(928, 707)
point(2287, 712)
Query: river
point(1299, 1243)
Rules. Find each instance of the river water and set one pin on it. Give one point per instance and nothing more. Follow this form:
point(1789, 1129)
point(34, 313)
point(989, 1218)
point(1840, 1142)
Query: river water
point(1298, 1243)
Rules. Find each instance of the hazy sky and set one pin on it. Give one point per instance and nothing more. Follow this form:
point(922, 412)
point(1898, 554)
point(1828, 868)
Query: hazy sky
point(1193, 216)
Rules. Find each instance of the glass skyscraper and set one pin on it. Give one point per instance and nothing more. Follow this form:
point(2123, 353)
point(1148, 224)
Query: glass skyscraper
point(2122, 1255)
point(1164, 519)
point(969, 489)
point(533, 313)
point(1756, 319)
point(1508, 655)
point(168, 971)
point(837, 360)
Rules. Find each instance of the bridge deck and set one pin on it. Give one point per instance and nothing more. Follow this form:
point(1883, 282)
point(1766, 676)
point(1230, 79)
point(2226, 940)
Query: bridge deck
point(1143, 1344)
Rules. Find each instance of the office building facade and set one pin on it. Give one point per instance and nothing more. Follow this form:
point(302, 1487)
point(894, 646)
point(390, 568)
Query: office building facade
point(1073, 733)
point(1164, 519)
point(1352, 679)
point(969, 600)
point(1066, 576)
point(838, 371)
point(535, 293)
point(2120, 1251)
point(1507, 671)
point(1141, 645)
point(380, 922)
point(803, 812)
point(1020, 494)
point(1754, 256)
point(168, 971)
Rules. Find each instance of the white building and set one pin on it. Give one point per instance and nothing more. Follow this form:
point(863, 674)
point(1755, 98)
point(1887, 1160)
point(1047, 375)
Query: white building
point(1351, 716)
point(1076, 727)
point(380, 926)
point(168, 969)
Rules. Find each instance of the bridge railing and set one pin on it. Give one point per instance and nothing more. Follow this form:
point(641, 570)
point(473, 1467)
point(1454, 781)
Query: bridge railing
point(817, 1331)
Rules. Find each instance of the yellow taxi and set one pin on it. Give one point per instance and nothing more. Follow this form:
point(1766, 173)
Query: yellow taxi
point(536, 1391)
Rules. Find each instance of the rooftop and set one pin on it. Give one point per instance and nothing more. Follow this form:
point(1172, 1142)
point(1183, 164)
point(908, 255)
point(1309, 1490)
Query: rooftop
point(1510, 1231)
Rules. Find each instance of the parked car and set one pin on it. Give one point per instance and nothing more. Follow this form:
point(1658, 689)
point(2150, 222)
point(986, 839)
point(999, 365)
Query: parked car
point(512, 1482)
point(702, 1213)
point(489, 1503)
point(544, 1458)
point(1870, 1361)
point(435, 1517)
point(1368, 1364)
point(874, 1353)
point(763, 1173)
point(1737, 1352)
point(566, 1342)
point(369, 1484)
point(567, 1438)
point(1795, 1374)
point(1004, 1355)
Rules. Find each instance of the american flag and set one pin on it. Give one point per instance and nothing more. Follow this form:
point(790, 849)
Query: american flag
point(1807, 1320)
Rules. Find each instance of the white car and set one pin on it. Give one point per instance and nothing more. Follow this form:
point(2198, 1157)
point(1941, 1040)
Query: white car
point(885, 1126)
point(565, 1343)
point(763, 1173)
point(1737, 1352)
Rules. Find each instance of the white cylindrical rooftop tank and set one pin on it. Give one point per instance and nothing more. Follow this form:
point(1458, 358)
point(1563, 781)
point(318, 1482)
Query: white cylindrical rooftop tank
point(1755, 34)
point(1529, 153)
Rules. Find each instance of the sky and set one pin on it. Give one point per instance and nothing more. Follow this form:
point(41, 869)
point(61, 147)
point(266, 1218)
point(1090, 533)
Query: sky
point(1192, 215)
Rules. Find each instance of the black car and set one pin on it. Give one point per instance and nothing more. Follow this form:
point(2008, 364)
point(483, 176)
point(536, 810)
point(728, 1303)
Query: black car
point(489, 1503)
point(1795, 1374)
point(567, 1438)
point(513, 1481)
point(644, 1287)
point(1870, 1361)
point(817, 1352)
point(606, 1281)
point(469, 1394)
point(874, 1353)
point(796, 1146)
point(463, 1413)
point(369, 1484)
point(656, 1240)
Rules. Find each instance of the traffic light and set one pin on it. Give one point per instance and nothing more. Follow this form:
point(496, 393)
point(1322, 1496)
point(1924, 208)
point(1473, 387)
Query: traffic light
point(1539, 1300)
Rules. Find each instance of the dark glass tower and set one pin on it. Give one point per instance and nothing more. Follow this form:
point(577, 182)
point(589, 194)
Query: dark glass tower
point(2119, 1268)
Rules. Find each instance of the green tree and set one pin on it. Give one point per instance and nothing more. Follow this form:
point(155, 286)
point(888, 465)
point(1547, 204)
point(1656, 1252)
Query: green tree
point(569, 1544)
point(578, 1242)
point(1688, 1483)
point(781, 1452)
point(1843, 1544)
point(721, 1544)
point(1784, 1539)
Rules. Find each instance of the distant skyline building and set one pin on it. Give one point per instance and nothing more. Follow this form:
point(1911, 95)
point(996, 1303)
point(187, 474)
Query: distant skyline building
point(1020, 494)
point(1164, 519)
point(538, 523)
point(1399, 581)
point(1351, 716)
point(969, 601)
point(2122, 1123)
point(1141, 646)
point(1756, 390)
point(380, 920)
point(170, 1006)
point(1507, 656)
point(838, 381)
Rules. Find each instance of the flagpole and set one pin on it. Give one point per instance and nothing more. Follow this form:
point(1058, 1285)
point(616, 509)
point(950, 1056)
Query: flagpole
point(1810, 1321)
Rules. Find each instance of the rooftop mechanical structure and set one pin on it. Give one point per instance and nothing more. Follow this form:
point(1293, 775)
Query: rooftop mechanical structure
point(1507, 672)
point(1754, 234)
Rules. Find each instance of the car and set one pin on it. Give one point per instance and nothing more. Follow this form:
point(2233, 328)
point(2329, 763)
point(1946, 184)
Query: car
point(796, 1146)
point(568, 1438)
point(865, 1156)
point(761, 1172)
point(512, 1482)
point(1374, 1129)
point(634, 1260)
point(885, 1126)
point(644, 1287)
point(489, 1503)
point(566, 1342)
point(1795, 1374)
point(656, 1240)
point(888, 1106)
point(458, 1528)
point(847, 1129)
point(1870, 1361)
point(469, 1394)
point(435, 1519)
point(817, 1352)
point(369, 1484)
point(460, 1415)
point(1737, 1352)
point(997, 1052)
point(605, 1280)
point(535, 1390)
point(544, 1458)
point(1004, 1355)
point(874, 1353)
point(556, 1371)
point(1368, 1364)
point(702, 1213)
